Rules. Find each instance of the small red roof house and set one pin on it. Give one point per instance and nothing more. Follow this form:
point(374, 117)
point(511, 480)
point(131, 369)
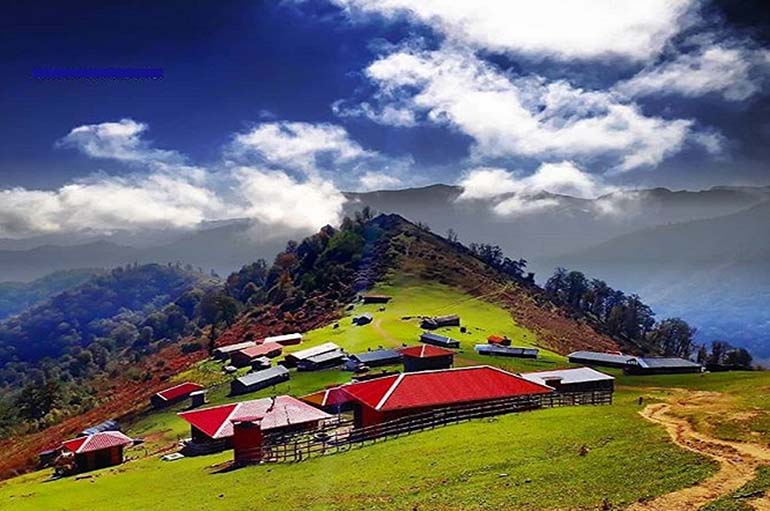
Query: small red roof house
point(426, 357)
point(393, 397)
point(247, 356)
point(282, 413)
point(333, 399)
point(95, 451)
point(174, 394)
point(499, 340)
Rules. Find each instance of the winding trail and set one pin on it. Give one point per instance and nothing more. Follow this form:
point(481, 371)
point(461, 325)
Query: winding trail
point(738, 461)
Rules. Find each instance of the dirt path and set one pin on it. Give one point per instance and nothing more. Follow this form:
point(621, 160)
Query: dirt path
point(737, 461)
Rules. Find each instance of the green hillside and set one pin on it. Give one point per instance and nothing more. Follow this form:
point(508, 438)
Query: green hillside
point(557, 458)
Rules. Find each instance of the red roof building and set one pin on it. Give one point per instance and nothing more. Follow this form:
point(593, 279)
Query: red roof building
point(174, 394)
point(333, 399)
point(282, 412)
point(247, 356)
point(499, 340)
point(426, 357)
point(99, 450)
point(391, 397)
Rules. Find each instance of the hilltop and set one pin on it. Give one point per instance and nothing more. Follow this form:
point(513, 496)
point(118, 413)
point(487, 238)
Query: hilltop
point(389, 245)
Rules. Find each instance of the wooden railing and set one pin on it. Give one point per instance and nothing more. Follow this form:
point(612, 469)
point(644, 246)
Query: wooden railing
point(341, 435)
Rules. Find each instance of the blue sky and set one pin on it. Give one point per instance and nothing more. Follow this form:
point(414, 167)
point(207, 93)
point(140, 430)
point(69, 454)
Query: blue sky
point(301, 100)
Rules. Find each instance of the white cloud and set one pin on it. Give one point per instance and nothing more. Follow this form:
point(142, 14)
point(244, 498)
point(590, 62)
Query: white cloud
point(379, 181)
point(735, 72)
point(108, 203)
point(585, 29)
point(513, 194)
point(120, 140)
point(275, 198)
point(392, 115)
point(299, 145)
point(563, 178)
point(530, 117)
point(323, 152)
point(515, 206)
point(166, 193)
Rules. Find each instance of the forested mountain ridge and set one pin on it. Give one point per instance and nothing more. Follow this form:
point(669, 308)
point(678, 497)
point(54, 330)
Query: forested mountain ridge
point(17, 296)
point(325, 271)
point(52, 355)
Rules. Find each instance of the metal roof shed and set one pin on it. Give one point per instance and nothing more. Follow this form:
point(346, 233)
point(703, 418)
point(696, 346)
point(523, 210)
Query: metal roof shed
point(439, 340)
point(578, 379)
point(497, 350)
point(379, 357)
point(108, 425)
point(322, 361)
point(655, 365)
point(291, 359)
point(258, 380)
point(596, 358)
point(285, 339)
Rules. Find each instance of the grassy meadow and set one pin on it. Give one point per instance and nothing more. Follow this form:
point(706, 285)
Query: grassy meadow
point(568, 458)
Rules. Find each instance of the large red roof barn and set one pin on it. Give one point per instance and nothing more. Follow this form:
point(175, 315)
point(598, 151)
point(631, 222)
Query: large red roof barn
point(396, 396)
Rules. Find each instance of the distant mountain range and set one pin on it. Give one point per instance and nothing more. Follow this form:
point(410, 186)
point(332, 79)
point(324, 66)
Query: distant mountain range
point(682, 251)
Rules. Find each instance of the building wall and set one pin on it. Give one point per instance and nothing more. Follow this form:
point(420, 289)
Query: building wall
point(591, 362)
point(88, 461)
point(412, 364)
point(585, 386)
point(661, 370)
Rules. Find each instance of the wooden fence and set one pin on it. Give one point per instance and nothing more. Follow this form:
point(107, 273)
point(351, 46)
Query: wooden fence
point(341, 435)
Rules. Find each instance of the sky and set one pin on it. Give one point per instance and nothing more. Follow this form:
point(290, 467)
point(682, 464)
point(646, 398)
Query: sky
point(270, 110)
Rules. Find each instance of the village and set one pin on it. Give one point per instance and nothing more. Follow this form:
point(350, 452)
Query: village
point(425, 383)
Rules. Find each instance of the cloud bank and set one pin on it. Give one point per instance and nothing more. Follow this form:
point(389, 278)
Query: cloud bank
point(288, 192)
point(510, 116)
point(584, 29)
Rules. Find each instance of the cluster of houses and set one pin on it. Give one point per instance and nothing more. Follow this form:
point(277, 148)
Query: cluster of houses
point(428, 381)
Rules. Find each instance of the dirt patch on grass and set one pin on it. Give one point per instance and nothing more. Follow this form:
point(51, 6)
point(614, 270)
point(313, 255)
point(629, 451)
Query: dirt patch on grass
point(738, 461)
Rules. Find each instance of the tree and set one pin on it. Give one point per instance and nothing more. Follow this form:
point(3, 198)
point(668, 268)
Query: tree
point(228, 309)
point(37, 399)
point(451, 235)
point(673, 337)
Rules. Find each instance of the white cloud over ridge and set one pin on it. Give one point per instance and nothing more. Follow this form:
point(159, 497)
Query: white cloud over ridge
point(275, 198)
point(583, 29)
point(163, 192)
point(379, 181)
point(509, 116)
point(108, 203)
point(511, 193)
point(562, 178)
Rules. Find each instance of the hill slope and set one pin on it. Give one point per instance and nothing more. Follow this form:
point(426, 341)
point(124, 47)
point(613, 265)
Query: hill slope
point(713, 272)
point(390, 245)
point(17, 296)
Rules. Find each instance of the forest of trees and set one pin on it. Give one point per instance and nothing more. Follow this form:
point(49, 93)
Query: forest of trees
point(493, 255)
point(51, 353)
point(627, 317)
